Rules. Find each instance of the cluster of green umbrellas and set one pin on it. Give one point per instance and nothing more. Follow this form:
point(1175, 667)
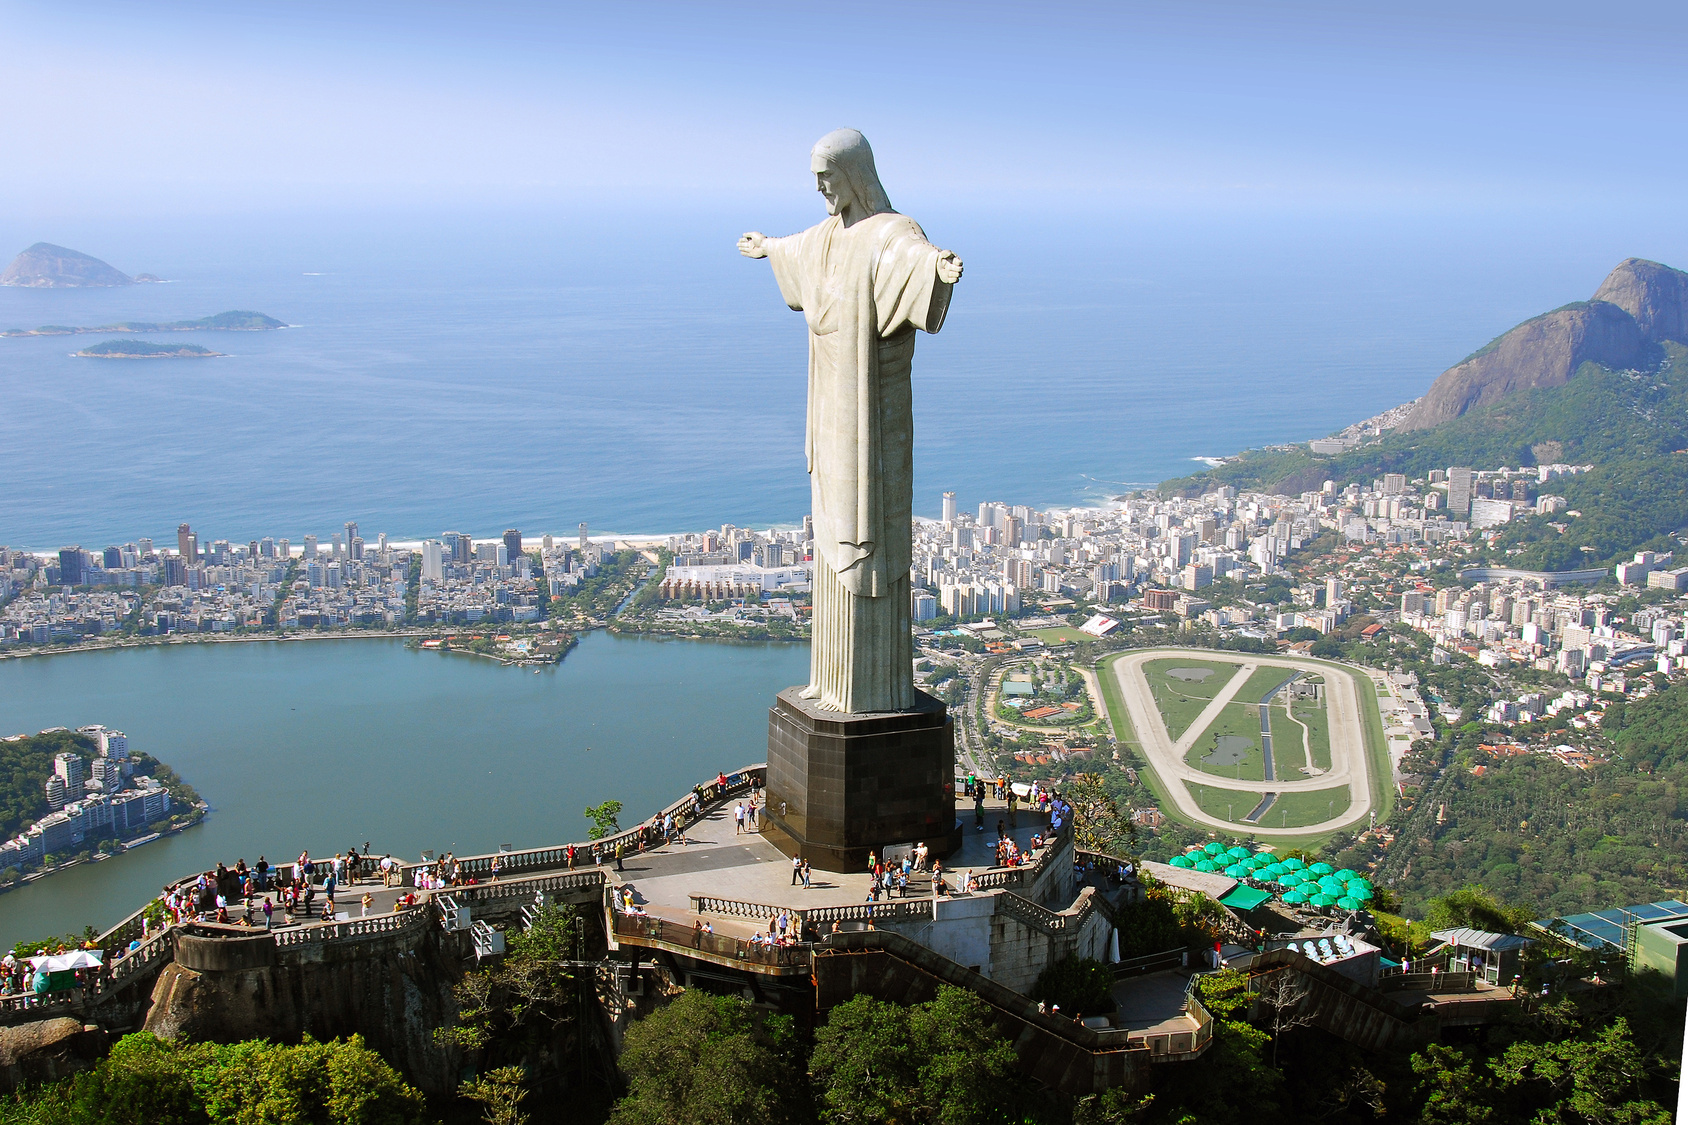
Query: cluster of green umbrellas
point(1298, 883)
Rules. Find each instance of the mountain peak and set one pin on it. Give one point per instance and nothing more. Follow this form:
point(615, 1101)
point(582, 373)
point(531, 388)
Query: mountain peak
point(1639, 304)
point(1655, 295)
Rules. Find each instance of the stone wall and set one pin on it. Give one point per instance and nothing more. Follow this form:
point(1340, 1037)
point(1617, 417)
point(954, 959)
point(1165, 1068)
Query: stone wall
point(393, 989)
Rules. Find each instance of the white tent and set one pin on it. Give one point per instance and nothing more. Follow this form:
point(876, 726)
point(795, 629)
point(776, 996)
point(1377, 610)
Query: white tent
point(63, 962)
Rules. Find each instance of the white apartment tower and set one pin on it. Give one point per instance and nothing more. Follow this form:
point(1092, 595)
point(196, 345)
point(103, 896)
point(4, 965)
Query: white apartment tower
point(433, 560)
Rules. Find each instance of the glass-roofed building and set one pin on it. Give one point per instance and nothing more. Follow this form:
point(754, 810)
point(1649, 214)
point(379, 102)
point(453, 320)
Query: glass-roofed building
point(1660, 936)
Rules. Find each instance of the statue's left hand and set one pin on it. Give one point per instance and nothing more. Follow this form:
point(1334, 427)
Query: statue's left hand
point(949, 267)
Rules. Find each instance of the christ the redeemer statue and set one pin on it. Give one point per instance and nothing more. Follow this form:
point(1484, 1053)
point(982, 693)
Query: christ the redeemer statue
point(864, 278)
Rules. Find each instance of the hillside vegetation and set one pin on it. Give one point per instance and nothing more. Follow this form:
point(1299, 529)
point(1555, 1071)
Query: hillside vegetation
point(25, 766)
point(1558, 840)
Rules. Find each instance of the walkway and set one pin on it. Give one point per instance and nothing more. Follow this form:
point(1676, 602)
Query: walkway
point(747, 868)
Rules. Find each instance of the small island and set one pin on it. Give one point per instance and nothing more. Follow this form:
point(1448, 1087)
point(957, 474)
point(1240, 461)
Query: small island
point(45, 266)
point(145, 349)
point(237, 320)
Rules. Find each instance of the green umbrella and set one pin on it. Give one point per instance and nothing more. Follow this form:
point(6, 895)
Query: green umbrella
point(1354, 884)
point(1323, 900)
point(1321, 868)
point(1238, 852)
point(1347, 875)
point(1294, 864)
point(1291, 878)
point(1237, 871)
point(1295, 898)
point(1347, 903)
point(1272, 871)
point(1181, 861)
point(1359, 894)
point(1214, 848)
point(1206, 865)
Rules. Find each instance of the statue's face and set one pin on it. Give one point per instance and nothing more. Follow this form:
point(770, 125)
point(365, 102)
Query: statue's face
point(835, 186)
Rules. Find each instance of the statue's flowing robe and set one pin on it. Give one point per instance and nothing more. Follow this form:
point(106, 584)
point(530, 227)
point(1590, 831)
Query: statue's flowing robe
point(863, 289)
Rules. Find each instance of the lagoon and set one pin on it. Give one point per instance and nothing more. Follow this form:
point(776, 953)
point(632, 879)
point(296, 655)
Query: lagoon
point(326, 744)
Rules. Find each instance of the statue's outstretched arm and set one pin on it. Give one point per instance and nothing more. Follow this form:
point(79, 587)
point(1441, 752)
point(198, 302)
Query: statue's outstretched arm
point(751, 245)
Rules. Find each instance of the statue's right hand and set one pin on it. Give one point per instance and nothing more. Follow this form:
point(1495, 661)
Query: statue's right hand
point(751, 245)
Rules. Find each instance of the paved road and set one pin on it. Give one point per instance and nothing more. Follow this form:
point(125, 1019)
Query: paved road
point(1349, 765)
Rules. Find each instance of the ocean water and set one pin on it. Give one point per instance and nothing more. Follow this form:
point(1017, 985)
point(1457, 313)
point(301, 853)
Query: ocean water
point(328, 744)
point(478, 371)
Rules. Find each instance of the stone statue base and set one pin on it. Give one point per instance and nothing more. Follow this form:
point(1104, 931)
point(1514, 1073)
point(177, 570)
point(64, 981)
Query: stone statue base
point(843, 784)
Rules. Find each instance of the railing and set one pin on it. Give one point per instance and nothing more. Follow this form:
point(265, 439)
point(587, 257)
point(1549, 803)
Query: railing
point(1439, 981)
point(1177, 1046)
point(1049, 921)
point(521, 888)
point(1149, 963)
point(643, 927)
point(40, 1005)
point(374, 926)
point(891, 910)
point(588, 854)
point(600, 851)
point(738, 908)
point(159, 947)
point(1027, 874)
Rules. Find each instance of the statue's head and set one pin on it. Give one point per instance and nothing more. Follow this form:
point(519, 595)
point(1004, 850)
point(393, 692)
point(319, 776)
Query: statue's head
point(844, 173)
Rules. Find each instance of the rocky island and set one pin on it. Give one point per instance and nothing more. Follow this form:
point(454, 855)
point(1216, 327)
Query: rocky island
point(237, 320)
point(45, 266)
point(145, 349)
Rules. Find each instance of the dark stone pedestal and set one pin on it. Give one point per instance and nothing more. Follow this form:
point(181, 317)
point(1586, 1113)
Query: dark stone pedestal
point(841, 785)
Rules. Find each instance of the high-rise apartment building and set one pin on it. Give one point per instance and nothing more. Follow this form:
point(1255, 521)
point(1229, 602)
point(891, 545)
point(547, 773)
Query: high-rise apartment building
point(513, 543)
point(68, 768)
point(584, 538)
point(433, 560)
point(1459, 492)
point(355, 548)
point(71, 569)
point(310, 548)
point(113, 558)
point(186, 545)
point(351, 534)
point(949, 507)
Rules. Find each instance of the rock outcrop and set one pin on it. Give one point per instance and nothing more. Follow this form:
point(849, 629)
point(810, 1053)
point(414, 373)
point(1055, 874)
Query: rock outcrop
point(1656, 296)
point(392, 990)
point(47, 1050)
point(45, 266)
point(1639, 304)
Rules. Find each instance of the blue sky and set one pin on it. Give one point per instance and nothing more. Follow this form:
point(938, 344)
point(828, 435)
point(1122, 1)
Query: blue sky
point(1426, 107)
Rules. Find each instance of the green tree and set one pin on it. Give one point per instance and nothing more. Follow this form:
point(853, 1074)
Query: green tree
point(1078, 984)
point(1451, 1089)
point(938, 1063)
point(500, 1093)
point(1477, 909)
point(604, 819)
point(705, 1060)
point(1601, 1079)
point(516, 1006)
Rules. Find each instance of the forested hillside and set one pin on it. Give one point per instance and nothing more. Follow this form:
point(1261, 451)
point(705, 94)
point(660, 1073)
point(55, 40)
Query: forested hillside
point(1559, 840)
point(25, 766)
